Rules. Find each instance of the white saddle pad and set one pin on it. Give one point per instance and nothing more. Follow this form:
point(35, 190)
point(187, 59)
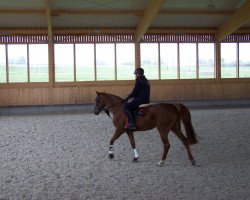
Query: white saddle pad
point(145, 105)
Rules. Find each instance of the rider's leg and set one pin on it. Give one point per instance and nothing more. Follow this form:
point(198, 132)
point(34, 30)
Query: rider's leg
point(131, 120)
point(129, 107)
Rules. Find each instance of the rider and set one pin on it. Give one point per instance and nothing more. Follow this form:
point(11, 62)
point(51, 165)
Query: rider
point(139, 95)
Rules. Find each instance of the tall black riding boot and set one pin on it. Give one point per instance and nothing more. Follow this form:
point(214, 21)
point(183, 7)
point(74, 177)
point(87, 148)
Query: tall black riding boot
point(131, 121)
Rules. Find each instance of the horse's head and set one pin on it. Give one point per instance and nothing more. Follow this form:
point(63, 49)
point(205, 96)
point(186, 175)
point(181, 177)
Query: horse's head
point(99, 103)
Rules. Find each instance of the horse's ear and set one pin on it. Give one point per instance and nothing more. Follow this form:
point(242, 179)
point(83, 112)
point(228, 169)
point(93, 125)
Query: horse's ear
point(97, 93)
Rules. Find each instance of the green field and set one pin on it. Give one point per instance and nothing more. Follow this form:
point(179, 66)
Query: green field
point(19, 73)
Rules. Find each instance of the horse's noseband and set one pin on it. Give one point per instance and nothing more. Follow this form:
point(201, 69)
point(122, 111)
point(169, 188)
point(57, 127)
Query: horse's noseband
point(98, 109)
point(104, 107)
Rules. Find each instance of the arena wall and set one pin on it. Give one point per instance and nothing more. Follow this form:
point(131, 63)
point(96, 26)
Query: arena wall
point(66, 93)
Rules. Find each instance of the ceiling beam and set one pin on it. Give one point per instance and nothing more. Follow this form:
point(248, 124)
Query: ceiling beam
point(8, 31)
point(57, 12)
point(238, 19)
point(21, 11)
point(149, 14)
point(194, 12)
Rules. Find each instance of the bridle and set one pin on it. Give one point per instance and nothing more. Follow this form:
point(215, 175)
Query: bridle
point(106, 108)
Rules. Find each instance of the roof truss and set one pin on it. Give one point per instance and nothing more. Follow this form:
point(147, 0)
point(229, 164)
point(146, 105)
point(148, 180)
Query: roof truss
point(237, 20)
point(149, 14)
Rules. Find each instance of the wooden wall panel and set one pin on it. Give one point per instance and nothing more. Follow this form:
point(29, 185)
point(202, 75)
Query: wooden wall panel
point(160, 91)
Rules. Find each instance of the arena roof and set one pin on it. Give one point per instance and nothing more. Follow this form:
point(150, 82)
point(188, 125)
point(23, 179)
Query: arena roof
point(226, 16)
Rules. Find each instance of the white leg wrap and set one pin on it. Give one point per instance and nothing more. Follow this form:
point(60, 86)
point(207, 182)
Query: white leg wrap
point(161, 163)
point(136, 153)
point(111, 149)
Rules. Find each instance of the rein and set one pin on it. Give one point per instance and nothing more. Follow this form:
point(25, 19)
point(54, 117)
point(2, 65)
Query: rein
point(106, 108)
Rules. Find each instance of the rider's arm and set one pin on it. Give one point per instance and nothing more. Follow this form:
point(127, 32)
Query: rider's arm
point(136, 90)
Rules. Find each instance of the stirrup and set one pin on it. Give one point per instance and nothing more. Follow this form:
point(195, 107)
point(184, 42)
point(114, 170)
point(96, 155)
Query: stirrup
point(133, 128)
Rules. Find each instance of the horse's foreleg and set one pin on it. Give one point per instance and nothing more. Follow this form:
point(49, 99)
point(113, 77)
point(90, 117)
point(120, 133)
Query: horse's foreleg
point(132, 142)
point(117, 134)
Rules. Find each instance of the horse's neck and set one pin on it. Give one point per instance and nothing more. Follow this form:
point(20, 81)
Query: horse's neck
point(114, 103)
point(112, 99)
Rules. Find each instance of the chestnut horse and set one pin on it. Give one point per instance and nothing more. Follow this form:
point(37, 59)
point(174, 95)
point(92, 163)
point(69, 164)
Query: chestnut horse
point(165, 117)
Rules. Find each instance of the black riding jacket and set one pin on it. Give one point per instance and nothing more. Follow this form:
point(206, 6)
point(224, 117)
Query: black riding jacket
point(141, 90)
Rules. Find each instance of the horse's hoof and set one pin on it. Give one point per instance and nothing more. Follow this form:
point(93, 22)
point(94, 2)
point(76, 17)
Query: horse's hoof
point(193, 162)
point(111, 156)
point(161, 163)
point(135, 160)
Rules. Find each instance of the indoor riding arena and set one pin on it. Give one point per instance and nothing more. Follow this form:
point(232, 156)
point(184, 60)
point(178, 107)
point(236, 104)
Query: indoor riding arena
point(58, 56)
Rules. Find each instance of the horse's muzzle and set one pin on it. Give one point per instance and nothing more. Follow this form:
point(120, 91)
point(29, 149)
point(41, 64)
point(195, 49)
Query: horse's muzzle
point(97, 110)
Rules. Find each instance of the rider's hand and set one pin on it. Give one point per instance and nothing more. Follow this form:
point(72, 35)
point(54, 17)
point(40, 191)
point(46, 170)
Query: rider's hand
point(126, 99)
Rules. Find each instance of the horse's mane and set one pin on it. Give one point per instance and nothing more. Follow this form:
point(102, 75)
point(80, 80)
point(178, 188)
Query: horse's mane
point(113, 97)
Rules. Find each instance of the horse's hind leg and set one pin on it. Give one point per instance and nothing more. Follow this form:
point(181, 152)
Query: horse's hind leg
point(166, 145)
point(132, 142)
point(177, 131)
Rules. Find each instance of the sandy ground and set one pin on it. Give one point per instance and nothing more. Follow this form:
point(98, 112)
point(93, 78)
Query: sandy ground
point(65, 157)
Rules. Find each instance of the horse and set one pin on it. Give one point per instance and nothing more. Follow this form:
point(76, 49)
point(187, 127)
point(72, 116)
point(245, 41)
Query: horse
point(165, 117)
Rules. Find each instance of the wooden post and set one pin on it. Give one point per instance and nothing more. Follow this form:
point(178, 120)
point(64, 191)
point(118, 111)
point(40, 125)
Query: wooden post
point(137, 55)
point(50, 45)
point(217, 61)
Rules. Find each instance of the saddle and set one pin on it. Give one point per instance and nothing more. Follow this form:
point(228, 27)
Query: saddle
point(139, 112)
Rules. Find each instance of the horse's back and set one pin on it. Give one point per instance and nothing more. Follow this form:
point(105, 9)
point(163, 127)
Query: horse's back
point(165, 107)
point(164, 111)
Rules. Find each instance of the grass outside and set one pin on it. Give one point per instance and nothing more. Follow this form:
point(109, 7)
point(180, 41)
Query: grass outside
point(19, 73)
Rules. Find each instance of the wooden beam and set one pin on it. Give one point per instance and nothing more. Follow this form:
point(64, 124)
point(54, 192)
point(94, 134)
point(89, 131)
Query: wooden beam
point(57, 12)
point(21, 11)
point(12, 31)
point(49, 23)
point(238, 19)
point(149, 14)
point(194, 12)
point(24, 31)
point(50, 43)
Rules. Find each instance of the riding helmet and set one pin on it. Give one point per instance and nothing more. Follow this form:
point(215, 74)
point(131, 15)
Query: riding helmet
point(139, 71)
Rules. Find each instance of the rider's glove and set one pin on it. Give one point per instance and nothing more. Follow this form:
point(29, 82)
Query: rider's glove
point(126, 99)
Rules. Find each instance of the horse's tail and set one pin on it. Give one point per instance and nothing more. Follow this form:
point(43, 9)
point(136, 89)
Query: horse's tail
point(186, 119)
